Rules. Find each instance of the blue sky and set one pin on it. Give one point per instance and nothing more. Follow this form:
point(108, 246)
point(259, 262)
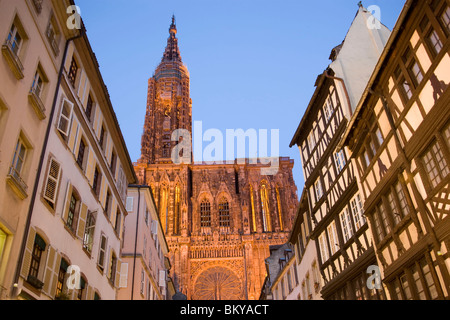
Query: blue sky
point(252, 63)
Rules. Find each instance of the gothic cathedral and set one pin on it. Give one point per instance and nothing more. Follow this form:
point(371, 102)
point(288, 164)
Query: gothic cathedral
point(219, 219)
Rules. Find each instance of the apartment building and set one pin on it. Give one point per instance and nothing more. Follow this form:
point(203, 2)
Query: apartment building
point(399, 140)
point(75, 224)
point(144, 274)
point(32, 39)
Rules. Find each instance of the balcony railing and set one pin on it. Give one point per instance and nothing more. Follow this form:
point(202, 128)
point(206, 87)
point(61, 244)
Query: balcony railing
point(10, 52)
point(36, 102)
point(16, 183)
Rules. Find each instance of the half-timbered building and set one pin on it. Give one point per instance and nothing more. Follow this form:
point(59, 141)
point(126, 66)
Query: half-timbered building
point(341, 232)
point(399, 138)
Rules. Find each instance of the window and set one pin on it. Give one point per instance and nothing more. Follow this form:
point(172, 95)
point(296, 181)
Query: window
point(177, 209)
point(36, 256)
point(311, 142)
point(61, 277)
point(323, 247)
point(445, 19)
point(435, 164)
point(37, 85)
point(118, 221)
point(415, 283)
point(88, 239)
point(328, 109)
point(81, 154)
point(113, 163)
point(65, 117)
point(333, 238)
point(318, 189)
point(52, 182)
point(89, 107)
point(14, 40)
point(205, 214)
point(339, 160)
point(102, 140)
point(102, 252)
point(265, 208)
point(74, 207)
point(224, 213)
point(357, 212)
point(97, 181)
point(108, 203)
point(73, 70)
point(346, 224)
point(53, 35)
point(80, 292)
point(3, 237)
point(113, 268)
point(403, 85)
point(382, 224)
point(19, 158)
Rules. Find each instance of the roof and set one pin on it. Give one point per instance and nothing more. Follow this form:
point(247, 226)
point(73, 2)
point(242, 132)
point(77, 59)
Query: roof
point(389, 46)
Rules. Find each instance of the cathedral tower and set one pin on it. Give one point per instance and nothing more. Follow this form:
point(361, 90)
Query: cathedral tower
point(219, 220)
point(169, 106)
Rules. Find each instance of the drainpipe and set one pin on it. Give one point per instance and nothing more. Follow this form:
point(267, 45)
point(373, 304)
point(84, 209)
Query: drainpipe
point(41, 160)
point(135, 241)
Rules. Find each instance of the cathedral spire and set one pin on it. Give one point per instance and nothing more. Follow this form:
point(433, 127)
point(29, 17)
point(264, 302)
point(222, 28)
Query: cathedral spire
point(172, 52)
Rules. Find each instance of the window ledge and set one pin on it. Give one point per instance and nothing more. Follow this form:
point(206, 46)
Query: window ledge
point(16, 183)
point(13, 61)
point(37, 104)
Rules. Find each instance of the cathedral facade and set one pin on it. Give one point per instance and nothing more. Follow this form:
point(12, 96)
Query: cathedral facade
point(219, 219)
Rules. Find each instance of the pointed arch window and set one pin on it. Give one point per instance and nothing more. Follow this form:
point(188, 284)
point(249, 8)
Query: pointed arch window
point(205, 214)
point(224, 213)
point(164, 207)
point(280, 212)
point(252, 200)
point(267, 224)
point(176, 218)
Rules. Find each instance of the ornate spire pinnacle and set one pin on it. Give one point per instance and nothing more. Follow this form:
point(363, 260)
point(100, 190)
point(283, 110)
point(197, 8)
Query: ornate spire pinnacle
point(172, 52)
point(173, 26)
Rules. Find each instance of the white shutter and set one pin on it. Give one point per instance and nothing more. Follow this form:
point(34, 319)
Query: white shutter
point(154, 228)
point(162, 278)
point(65, 116)
point(123, 275)
point(130, 201)
point(52, 183)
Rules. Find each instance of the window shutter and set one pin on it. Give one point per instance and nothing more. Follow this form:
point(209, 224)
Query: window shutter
point(162, 278)
point(117, 277)
point(27, 256)
point(72, 143)
point(67, 202)
point(89, 293)
point(82, 221)
point(90, 167)
point(49, 270)
point(154, 228)
point(52, 184)
point(55, 275)
point(65, 117)
point(123, 275)
point(102, 196)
